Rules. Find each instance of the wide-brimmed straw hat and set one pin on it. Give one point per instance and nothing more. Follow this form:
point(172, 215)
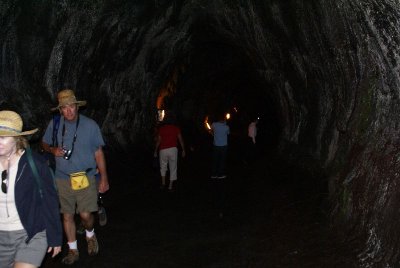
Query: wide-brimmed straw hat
point(11, 125)
point(66, 97)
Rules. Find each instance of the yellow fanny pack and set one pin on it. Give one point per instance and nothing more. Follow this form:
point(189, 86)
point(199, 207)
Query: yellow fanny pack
point(79, 180)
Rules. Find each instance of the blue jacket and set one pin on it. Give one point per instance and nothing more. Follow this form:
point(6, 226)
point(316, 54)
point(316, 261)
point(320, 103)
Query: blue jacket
point(38, 213)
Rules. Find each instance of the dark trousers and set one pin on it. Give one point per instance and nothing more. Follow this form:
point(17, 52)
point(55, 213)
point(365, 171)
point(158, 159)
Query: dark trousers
point(219, 155)
point(250, 151)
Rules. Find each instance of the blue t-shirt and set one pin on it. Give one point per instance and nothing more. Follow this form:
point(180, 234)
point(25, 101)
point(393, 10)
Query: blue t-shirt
point(88, 141)
point(220, 132)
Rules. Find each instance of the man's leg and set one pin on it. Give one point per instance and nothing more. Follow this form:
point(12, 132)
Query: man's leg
point(214, 163)
point(67, 202)
point(223, 151)
point(86, 206)
point(70, 232)
point(87, 219)
point(69, 227)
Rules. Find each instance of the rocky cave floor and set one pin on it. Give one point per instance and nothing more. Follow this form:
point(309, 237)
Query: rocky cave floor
point(272, 217)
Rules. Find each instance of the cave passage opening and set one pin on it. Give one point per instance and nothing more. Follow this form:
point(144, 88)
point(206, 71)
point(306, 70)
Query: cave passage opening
point(218, 76)
point(217, 73)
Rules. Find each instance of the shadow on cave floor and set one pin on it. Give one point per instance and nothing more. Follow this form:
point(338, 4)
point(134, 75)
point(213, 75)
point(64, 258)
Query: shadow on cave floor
point(272, 217)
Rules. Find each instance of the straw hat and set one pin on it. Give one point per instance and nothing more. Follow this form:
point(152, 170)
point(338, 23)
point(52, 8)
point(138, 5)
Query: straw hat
point(66, 97)
point(11, 125)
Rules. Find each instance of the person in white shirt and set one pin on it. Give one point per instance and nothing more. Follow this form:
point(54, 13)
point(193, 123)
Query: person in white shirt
point(251, 141)
point(252, 130)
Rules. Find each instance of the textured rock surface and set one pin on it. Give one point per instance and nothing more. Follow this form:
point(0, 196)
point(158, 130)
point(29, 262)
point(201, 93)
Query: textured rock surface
point(326, 71)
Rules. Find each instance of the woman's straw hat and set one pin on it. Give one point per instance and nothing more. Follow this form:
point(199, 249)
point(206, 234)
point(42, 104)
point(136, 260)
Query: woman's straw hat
point(66, 97)
point(11, 125)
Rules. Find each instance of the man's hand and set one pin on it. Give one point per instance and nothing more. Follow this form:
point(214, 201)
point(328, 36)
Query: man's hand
point(57, 151)
point(103, 185)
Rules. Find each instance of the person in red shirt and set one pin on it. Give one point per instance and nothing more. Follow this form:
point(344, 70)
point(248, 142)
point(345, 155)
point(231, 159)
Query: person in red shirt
point(167, 142)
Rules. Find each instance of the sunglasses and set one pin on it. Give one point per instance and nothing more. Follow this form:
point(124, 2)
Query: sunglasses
point(4, 177)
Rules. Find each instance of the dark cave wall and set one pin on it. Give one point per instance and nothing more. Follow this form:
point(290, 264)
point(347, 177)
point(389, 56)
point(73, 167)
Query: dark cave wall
point(111, 53)
point(330, 69)
point(363, 173)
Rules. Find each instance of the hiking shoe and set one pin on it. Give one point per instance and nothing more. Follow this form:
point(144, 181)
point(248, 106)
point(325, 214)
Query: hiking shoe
point(72, 256)
point(102, 216)
point(93, 245)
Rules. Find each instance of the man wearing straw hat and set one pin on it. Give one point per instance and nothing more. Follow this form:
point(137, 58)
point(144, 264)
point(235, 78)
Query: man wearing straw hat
point(78, 152)
point(29, 214)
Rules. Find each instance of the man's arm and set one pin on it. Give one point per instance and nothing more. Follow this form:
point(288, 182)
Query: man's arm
point(101, 165)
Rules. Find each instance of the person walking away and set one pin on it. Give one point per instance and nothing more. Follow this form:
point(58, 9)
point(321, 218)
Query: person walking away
point(220, 131)
point(29, 210)
point(167, 142)
point(251, 141)
point(79, 152)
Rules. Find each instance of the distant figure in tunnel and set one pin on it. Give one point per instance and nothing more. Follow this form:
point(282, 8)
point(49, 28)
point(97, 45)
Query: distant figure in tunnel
point(30, 222)
point(78, 153)
point(220, 131)
point(250, 154)
point(167, 139)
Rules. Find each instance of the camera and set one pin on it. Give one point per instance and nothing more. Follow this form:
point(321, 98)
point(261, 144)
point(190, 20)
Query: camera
point(67, 154)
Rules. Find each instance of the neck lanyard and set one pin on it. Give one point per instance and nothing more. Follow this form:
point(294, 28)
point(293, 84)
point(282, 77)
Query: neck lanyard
point(75, 135)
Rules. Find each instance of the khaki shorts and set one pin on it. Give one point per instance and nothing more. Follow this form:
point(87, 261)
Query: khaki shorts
point(76, 201)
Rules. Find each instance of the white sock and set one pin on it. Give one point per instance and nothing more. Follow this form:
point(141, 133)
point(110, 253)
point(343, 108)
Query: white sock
point(73, 245)
point(89, 234)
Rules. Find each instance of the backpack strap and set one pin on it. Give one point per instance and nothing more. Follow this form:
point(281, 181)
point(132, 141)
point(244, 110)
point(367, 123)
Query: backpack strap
point(35, 171)
point(56, 124)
